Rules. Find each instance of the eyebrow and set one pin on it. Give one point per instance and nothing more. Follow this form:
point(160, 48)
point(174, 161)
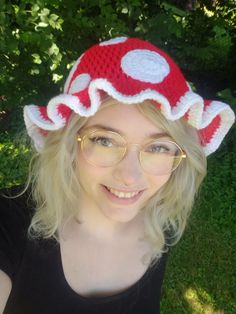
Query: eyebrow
point(108, 128)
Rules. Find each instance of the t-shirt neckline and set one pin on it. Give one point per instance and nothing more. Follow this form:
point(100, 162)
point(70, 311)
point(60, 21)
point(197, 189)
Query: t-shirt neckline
point(100, 299)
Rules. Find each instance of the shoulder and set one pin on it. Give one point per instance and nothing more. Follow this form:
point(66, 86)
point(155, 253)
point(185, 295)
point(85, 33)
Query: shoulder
point(15, 206)
point(15, 216)
point(5, 289)
point(15, 210)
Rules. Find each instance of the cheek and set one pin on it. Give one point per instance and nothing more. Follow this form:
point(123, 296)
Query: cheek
point(159, 181)
point(88, 172)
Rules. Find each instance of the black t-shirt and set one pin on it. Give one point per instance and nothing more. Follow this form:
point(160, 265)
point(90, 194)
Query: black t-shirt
point(38, 282)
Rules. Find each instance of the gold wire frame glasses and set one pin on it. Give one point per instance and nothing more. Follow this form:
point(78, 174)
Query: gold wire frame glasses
point(107, 148)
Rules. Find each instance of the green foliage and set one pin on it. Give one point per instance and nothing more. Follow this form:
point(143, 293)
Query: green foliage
point(40, 40)
point(200, 272)
point(14, 160)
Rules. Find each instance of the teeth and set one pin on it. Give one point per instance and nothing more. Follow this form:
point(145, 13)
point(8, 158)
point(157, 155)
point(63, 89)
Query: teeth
point(122, 194)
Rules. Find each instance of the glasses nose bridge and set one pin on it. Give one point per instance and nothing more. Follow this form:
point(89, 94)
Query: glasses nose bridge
point(129, 145)
point(132, 147)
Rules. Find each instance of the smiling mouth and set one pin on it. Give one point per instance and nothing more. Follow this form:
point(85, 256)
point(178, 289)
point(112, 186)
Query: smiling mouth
point(121, 194)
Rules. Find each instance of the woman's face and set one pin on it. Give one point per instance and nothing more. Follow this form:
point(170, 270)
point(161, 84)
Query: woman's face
point(102, 187)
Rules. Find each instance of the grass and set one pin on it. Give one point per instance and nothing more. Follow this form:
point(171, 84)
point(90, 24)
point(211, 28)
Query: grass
point(201, 272)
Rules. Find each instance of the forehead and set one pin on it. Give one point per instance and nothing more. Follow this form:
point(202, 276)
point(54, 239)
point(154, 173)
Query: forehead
point(126, 119)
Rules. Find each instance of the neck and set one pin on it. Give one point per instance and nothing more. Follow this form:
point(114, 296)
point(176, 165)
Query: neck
point(105, 229)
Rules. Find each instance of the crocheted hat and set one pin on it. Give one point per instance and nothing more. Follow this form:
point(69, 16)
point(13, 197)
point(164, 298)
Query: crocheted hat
point(130, 70)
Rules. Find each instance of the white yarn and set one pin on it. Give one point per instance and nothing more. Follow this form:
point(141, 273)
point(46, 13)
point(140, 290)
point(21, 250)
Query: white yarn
point(79, 83)
point(113, 41)
point(190, 102)
point(67, 83)
point(145, 65)
point(193, 104)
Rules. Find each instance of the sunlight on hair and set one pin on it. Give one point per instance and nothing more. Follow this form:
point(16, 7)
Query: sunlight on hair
point(200, 301)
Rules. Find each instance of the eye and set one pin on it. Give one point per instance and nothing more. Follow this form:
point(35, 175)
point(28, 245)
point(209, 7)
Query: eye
point(160, 148)
point(102, 141)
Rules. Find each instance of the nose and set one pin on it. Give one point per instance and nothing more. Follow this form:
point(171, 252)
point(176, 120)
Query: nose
point(128, 171)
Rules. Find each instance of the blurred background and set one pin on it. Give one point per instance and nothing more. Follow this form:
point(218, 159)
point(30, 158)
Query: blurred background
point(39, 42)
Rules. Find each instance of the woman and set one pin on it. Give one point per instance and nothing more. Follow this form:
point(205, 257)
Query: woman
point(121, 155)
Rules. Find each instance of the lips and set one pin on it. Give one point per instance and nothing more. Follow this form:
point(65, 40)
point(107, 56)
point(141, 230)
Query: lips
point(122, 194)
point(122, 197)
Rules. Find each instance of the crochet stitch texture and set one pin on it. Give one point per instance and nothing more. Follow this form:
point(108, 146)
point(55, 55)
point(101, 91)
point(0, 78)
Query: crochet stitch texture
point(130, 70)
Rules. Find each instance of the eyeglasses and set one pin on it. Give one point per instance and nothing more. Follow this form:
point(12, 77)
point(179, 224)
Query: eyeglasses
point(107, 148)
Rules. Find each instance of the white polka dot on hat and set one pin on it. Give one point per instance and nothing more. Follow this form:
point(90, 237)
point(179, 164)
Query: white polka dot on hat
point(130, 70)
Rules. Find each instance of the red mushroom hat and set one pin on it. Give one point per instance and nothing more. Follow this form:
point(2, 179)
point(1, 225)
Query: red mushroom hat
point(130, 70)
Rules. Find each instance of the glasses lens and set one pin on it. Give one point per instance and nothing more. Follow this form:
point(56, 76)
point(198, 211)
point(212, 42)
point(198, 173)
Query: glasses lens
point(103, 148)
point(161, 157)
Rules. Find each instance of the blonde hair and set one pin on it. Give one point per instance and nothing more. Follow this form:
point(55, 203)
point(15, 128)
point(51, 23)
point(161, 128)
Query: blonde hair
point(56, 187)
point(168, 211)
